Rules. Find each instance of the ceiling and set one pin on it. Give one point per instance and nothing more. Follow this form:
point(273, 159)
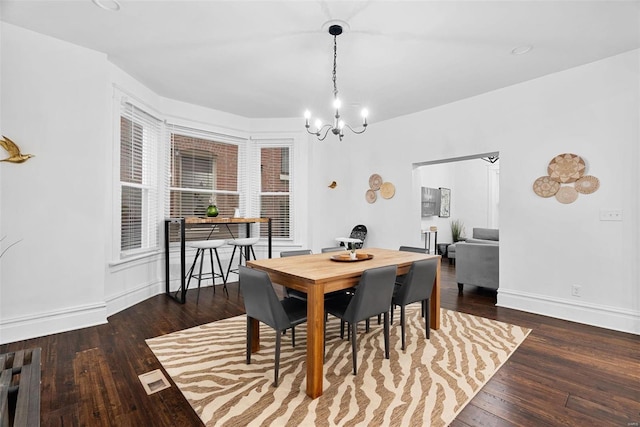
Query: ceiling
point(263, 59)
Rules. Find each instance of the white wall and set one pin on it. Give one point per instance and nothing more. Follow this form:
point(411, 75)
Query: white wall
point(54, 105)
point(59, 102)
point(546, 247)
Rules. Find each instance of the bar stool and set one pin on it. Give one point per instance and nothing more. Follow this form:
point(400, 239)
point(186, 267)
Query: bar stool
point(245, 244)
point(201, 246)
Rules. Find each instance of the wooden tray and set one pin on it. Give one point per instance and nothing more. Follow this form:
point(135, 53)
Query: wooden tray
point(347, 258)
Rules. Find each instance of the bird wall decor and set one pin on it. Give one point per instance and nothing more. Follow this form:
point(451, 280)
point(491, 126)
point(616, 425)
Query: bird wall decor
point(15, 156)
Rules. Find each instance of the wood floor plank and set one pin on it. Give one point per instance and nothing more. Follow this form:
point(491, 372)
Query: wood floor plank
point(564, 373)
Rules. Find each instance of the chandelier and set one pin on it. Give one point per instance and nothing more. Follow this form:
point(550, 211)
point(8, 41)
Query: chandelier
point(338, 125)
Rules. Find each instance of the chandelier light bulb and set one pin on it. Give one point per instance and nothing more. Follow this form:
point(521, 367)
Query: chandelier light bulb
point(341, 125)
point(364, 114)
point(318, 124)
point(307, 114)
point(337, 104)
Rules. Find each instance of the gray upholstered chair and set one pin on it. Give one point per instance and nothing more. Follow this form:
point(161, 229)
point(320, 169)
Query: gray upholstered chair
point(371, 297)
point(413, 249)
point(262, 303)
point(417, 286)
point(293, 292)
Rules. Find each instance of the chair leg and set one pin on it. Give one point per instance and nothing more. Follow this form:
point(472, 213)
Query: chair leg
point(293, 336)
point(392, 309)
point(386, 335)
point(427, 318)
point(354, 347)
point(233, 253)
point(224, 279)
point(402, 325)
point(379, 319)
point(193, 266)
point(213, 272)
point(459, 288)
point(277, 367)
point(249, 333)
point(366, 325)
point(201, 251)
point(341, 329)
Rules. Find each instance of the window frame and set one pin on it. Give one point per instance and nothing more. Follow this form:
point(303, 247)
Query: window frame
point(152, 183)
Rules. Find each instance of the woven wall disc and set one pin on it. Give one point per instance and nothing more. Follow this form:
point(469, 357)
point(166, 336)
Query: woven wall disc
point(375, 181)
point(566, 195)
point(545, 186)
point(587, 184)
point(370, 196)
point(387, 190)
point(566, 167)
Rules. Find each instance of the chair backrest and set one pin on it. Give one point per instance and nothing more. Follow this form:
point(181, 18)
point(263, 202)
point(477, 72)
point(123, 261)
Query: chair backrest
point(359, 232)
point(413, 249)
point(373, 294)
point(295, 253)
point(332, 249)
point(418, 283)
point(260, 299)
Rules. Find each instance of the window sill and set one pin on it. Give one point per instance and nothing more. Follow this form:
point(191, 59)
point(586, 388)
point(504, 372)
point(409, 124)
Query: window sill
point(135, 260)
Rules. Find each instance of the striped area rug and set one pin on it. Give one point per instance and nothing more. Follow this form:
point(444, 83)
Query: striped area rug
point(427, 384)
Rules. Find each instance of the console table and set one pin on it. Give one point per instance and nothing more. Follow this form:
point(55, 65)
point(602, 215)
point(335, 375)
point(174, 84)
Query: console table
point(427, 241)
point(181, 294)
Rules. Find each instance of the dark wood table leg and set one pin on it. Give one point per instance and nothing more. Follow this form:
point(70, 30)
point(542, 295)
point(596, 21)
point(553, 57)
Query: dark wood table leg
point(315, 340)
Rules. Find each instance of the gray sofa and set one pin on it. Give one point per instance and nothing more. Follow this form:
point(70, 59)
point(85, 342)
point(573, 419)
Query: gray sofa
point(477, 259)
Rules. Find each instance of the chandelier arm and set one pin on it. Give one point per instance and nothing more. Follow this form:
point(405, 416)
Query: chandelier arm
point(326, 132)
point(317, 132)
point(355, 131)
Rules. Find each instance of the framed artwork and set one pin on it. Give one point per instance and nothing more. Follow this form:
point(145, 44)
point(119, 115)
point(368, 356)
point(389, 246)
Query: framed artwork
point(445, 202)
point(430, 201)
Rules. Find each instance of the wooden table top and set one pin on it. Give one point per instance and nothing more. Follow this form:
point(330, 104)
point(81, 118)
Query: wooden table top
point(319, 268)
point(221, 220)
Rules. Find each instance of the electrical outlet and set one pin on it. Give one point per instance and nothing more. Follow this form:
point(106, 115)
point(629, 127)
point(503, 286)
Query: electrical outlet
point(576, 290)
point(606, 215)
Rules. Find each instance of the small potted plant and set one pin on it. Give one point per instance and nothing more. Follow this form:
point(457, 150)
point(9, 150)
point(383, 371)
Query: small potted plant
point(457, 230)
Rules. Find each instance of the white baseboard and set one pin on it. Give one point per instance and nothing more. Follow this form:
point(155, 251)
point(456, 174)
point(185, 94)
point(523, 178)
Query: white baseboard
point(580, 312)
point(38, 325)
point(131, 297)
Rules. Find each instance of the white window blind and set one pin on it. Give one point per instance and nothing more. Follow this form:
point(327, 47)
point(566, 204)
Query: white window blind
point(275, 189)
point(204, 170)
point(140, 139)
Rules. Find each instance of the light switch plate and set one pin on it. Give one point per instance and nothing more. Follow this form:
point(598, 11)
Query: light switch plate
point(610, 215)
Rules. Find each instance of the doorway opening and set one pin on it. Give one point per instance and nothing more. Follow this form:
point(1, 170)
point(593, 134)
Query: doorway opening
point(471, 187)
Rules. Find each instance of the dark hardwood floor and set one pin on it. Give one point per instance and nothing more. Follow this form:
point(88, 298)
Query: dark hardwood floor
point(564, 374)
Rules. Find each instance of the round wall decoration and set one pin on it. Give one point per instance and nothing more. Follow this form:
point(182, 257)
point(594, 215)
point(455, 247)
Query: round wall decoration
point(566, 167)
point(587, 184)
point(370, 195)
point(375, 181)
point(545, 186)
point(387, 190)
point(567, 195)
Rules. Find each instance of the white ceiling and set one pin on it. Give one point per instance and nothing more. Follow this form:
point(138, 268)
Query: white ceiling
point(273, 58)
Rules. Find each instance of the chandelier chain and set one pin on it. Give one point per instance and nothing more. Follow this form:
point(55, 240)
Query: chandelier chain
point(335, 58)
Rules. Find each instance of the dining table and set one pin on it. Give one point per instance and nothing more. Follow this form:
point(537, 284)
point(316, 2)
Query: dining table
point(320, 274)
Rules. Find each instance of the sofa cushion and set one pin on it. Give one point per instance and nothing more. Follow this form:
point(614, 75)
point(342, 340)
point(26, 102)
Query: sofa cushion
point(485, 242)
point(486, 234)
